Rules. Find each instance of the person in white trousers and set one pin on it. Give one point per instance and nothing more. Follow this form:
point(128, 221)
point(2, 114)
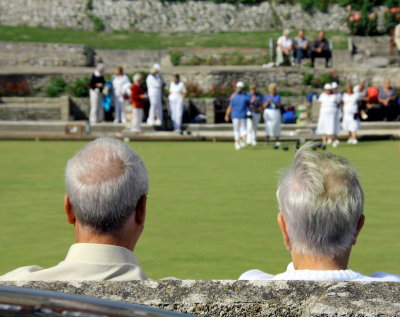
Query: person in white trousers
point(327, 120)
point(351, 120)
point(155, 85)
point(138, 98)
point(254, 114)
point(177, 93)
point(121, 84)
point(272, 104)
point(96, 85)
point(237, 111)
point(339, 102)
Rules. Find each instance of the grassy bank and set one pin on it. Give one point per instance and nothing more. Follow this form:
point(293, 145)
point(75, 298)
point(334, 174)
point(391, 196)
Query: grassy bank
point(149, 40)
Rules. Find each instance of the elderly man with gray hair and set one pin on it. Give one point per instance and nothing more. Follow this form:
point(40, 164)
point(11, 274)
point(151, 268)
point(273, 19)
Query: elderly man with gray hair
point(106, 184)
point(321, 214)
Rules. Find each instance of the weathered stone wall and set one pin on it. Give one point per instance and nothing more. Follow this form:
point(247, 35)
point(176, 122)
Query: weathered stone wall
point(45, 54)
point(35, 109)
point(243, 298)
point(130, 60)
point(158, 16)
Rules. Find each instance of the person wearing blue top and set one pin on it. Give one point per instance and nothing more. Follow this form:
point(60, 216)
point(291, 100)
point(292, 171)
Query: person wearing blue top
point(237, 110)
point(253, 115)
point(272, 104)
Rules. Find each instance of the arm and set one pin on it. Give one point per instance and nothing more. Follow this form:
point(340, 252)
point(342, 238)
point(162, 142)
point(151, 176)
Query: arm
point(228, 113)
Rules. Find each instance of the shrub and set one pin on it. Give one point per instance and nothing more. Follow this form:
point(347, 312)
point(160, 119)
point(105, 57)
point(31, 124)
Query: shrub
point(79, 87)
point(15, 88)
point(193, 89)
point(55, 87)
point(391, 19)
point(98, 25)
point(308, 78)
point(175, 57)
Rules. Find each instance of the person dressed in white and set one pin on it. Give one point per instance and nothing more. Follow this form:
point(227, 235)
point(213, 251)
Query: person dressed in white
point(321, 214)
point(351, 120)
point(339, 102)
point(254, 115)
point(237, 111)
point(177, 93)
point(96, 85)
point(121, 86)
point(272, 105)
point(327, 120)
point(155, 85)
point(284, 49)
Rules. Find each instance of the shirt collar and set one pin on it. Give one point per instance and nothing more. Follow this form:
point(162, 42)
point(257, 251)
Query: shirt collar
point(100, 253)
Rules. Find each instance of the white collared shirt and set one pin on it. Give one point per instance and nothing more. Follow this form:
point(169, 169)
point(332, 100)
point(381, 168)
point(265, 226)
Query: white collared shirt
point(314, 275)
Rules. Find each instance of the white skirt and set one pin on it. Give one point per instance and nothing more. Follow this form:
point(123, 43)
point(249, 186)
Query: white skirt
point(349, 123)
point(272, 118)
point(328, 123)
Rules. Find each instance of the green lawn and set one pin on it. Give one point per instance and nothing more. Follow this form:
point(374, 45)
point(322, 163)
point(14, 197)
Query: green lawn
point(149, 40)
point(211, 212)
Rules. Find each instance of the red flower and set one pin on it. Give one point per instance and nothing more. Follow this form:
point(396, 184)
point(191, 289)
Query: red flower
point(394, 10)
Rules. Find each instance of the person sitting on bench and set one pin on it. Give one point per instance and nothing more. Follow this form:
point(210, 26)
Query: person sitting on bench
point(320, 48)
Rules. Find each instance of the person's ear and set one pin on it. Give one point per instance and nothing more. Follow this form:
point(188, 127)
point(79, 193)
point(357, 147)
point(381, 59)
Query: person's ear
point(282, 226)
point(140, 214)
point(360, 224)
point(69, 212)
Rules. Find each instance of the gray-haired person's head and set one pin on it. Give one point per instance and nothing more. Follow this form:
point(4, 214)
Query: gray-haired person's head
point(104, 182)
point(322, 201)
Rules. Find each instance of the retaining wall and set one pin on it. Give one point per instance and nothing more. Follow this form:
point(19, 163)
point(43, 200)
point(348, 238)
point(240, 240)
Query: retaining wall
point(244, 298)
point(45, 54)
point(164, 16)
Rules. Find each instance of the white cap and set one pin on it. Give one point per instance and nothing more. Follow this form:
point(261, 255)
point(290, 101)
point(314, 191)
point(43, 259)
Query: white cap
point(157, 67)
point(286, 31)
point(239, 84)
point(334, 85)
point(327, 86)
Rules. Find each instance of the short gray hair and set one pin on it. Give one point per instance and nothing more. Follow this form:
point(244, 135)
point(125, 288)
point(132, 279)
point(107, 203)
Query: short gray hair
point(136, 77)
point(104, 182)
point(321, 200)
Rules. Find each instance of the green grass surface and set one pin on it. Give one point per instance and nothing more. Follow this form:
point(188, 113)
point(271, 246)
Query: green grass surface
point(211, 212)
point(149, 40)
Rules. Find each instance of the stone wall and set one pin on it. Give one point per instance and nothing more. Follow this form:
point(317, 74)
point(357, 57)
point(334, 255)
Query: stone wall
point(244, 298)
point(131, 60)
point(45, 54)
point(164, 16)
point(35, 109)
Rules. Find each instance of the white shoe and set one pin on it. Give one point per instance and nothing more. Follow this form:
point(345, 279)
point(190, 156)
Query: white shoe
point(354, 141)
point(157, 122)
point(350, 141)
point(150, 122)
point(242, 143)
point(335, 143)
point(254, 143)
point(329, 141)
point(237, 146)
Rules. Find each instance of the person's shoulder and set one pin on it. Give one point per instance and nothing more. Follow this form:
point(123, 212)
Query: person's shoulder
point(254, 275)
point(385, 277)
point(21, 273)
